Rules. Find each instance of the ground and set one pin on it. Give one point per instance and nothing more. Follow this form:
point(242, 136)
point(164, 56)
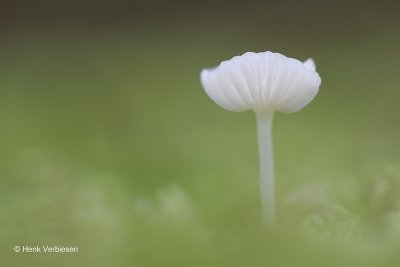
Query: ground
point(110, 144)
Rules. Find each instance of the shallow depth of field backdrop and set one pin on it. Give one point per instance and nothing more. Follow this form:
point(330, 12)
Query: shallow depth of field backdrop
point(109, 144)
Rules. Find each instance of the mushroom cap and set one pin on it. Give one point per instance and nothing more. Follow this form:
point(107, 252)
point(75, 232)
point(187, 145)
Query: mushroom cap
point(263, 81)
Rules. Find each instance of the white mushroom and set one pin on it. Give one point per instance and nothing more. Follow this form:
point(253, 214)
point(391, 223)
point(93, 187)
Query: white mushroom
point(264, 82)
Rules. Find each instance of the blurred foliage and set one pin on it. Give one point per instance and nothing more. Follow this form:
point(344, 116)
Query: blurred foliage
point(109, 143)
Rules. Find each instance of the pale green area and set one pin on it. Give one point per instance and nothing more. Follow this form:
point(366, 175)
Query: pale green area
point(109, 143)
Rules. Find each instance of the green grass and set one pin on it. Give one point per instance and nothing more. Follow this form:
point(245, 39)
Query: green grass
point(111, 145)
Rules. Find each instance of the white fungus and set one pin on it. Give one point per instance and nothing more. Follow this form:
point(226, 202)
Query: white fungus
point(264, 82)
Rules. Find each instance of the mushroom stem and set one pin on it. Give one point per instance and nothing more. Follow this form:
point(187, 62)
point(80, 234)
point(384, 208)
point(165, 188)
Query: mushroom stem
point(267, 188)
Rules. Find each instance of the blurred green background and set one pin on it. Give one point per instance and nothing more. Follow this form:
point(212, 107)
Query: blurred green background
point(108, 142)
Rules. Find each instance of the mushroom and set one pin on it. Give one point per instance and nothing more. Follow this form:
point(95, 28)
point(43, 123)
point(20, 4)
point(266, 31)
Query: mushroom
point(264, 82)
